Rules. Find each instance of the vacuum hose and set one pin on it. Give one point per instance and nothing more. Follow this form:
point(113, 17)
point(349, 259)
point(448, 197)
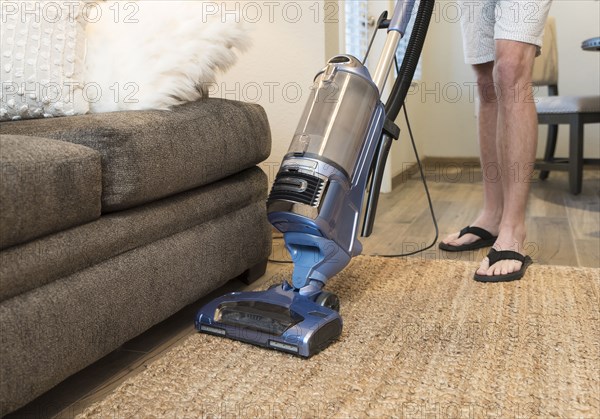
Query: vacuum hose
point(411, 59)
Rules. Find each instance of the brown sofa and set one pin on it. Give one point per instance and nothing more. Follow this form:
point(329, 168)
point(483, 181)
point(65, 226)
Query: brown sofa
point(111, 223)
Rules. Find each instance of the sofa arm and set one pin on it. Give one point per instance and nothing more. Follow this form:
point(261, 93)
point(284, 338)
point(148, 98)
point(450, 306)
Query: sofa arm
point(45, 186)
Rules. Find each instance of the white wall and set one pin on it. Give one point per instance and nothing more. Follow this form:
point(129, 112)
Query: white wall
point(288, 50)
point(445, 112)
point(444, 99)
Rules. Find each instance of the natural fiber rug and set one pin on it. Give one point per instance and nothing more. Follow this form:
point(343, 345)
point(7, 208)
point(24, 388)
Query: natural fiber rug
point(421, 340)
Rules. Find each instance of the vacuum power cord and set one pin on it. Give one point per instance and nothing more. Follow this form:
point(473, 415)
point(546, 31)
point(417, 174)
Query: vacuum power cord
point(414, 146)
point(431, 210)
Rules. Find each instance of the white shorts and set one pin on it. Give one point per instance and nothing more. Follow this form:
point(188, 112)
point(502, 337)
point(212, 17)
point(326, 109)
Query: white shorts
point(484, 21)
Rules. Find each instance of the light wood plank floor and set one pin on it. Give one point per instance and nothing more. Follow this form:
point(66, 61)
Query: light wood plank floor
point(563, 230)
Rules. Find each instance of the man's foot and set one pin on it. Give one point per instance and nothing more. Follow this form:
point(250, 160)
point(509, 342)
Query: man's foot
point(495, 257)
point(508, 240)
point(487, 223)
point(485, 239)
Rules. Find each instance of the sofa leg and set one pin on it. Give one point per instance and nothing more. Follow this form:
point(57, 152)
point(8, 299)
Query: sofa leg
point(254, 272)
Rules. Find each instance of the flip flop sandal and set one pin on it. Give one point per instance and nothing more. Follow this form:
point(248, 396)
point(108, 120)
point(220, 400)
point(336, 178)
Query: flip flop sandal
point(485, 240)
point(498, 255)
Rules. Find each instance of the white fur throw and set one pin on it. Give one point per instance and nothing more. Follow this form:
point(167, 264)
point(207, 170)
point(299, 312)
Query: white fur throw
point(156, 54)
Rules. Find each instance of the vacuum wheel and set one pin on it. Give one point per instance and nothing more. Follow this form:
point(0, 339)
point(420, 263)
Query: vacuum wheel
point(329, 300)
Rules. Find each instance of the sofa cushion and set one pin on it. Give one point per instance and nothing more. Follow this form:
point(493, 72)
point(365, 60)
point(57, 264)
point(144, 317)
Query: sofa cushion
point(45, 186)
point(147, 155)
point(22, 269)
point(56, 330)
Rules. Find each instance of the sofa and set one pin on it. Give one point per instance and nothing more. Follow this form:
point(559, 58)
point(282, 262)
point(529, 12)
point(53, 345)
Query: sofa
point(110, 223)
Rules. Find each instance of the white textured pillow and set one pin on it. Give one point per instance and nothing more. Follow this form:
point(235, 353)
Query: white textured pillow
point(156, 54)
point(43, 49)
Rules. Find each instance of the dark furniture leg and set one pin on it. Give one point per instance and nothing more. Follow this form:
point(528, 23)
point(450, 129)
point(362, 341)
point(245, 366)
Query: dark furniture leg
point(550, 148)
point(575, 155)
point(254, 272)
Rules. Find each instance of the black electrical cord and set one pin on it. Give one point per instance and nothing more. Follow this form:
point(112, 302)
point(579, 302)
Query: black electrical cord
point(435, 224)
point(414, 146)
point(276, 260)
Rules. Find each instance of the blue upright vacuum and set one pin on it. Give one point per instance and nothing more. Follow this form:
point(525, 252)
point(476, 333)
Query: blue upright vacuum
point(338, 151)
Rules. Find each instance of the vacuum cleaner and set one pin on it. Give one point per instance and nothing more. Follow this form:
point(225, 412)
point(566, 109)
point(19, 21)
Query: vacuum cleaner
point(334, 168)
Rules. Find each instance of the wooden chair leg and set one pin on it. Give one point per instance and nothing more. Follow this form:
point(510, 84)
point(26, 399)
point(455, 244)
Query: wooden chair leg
point(550, 149)
point(575, 155)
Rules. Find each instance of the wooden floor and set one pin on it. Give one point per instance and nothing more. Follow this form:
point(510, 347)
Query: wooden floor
point(562, 230)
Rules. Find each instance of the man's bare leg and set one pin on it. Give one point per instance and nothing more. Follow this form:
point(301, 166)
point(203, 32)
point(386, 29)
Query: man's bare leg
point(516, 140)
point(491, 213)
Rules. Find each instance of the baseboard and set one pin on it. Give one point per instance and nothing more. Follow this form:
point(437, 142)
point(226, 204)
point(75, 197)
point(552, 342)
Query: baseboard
point(451, 161)
point(428, 162)
point(404, 175)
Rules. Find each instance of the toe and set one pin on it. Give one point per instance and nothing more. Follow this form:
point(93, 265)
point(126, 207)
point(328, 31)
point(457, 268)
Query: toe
point(493, 270)
point(459, 241)
point(503, 267)
point(483, 268)
point(451, 239)
point(516, 265)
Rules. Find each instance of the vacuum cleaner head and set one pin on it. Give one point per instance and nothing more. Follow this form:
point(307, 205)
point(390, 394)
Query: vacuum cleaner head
point(278, 318)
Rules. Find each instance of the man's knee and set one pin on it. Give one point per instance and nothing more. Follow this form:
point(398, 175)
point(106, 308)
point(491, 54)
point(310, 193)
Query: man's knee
point(484, 73)
point(509, 73)
point(513, 66)
point(485, 81)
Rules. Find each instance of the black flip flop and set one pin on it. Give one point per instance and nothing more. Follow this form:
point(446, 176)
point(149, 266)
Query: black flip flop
point(498, 255)
point(485, 240)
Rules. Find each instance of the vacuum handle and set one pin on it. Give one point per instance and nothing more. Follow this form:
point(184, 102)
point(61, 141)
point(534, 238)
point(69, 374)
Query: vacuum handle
point(402, 15)
point(396, 30)
point(377, 169)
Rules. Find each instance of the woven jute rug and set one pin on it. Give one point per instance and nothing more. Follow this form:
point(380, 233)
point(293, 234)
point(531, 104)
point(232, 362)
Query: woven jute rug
point(421, 340)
